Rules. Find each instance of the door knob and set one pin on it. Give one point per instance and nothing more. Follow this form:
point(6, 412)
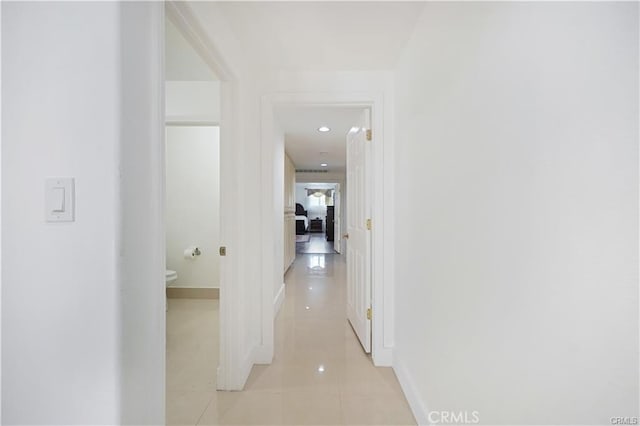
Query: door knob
point(345, 236)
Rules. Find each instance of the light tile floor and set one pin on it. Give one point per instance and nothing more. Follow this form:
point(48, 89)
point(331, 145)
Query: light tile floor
point(317, 244)
point(192, 358)
point(320, 374)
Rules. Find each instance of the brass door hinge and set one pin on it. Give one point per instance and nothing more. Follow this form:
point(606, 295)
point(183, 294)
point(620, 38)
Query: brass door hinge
point(369, 224)
point(369, 135)
point(369, 314)
point(223, 251)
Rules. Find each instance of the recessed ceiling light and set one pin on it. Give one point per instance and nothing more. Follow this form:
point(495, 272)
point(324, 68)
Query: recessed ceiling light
point(323, 129)
point(323, 165)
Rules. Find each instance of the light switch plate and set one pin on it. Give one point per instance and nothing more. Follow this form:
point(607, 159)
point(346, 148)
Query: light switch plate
point(59, 199)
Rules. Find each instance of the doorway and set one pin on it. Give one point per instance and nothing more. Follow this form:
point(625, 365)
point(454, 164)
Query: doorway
point(382, 239)
point(239, 355)
point(331, 141)
point(316, 204)
point(192, 228)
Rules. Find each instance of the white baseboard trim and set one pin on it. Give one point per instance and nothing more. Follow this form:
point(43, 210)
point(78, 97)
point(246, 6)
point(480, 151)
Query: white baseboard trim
point(245, 370)
point(278, 300)
point(420, 412)
point(193, 293)
point(383, 357)
point(263, 355)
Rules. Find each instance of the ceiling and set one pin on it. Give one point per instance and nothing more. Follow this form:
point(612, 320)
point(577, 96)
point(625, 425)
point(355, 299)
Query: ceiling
point(306, 146)
point(307, 36)
point(323, 36)
point(182, 63)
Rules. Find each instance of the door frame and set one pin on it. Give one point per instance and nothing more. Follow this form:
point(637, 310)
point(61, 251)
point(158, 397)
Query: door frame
point(337, 236)
point(382, 249)
point(229, 369)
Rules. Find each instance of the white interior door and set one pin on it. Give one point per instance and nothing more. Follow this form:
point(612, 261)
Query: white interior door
point(359, 244)
point(337, 220)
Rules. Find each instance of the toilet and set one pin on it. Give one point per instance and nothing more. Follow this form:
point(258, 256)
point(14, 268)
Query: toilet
point(170, 276)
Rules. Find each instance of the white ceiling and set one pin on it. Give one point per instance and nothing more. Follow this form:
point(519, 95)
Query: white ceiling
point(313, 36)
point(182, 63)
point(323, 36)
point(305, 144)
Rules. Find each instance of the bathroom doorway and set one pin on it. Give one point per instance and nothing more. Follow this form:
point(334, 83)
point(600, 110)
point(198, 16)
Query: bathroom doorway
point(192, 227)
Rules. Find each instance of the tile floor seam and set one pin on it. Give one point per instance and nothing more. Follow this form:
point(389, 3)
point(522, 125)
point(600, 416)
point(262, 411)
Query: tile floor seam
point(205, 409)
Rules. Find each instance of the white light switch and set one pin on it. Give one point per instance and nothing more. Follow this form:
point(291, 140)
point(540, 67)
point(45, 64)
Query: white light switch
point(59, 199)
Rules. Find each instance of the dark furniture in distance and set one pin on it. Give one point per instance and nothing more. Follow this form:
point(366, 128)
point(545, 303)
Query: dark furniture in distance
point(301, 229)
point(315, 225)
point(329, 221)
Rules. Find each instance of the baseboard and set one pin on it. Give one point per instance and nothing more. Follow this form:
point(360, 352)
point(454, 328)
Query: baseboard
point(278, 300)
point(420, 412)
point(245, 370)
point(192, 293)
point(263, 354)
point(383, 357)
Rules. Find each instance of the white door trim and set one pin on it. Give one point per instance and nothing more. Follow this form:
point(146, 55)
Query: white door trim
point(382, 215)
point(231, 370)
point(0, 213)
point(337, 219)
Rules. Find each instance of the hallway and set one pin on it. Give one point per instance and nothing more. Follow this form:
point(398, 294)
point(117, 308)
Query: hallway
point(319, 375)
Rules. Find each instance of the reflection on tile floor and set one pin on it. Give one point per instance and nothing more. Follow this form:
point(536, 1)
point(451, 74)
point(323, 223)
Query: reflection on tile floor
point(320, 374)
point(317, 244)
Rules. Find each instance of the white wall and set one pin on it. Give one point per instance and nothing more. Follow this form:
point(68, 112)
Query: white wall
point(182, 61)
point(517, 218)
point(141, 247)
point(60, 292)
point(0, 217)
point(317, 212)
point(83, 329)
point(65, 356)
point(193, 204)
point(193, 102)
